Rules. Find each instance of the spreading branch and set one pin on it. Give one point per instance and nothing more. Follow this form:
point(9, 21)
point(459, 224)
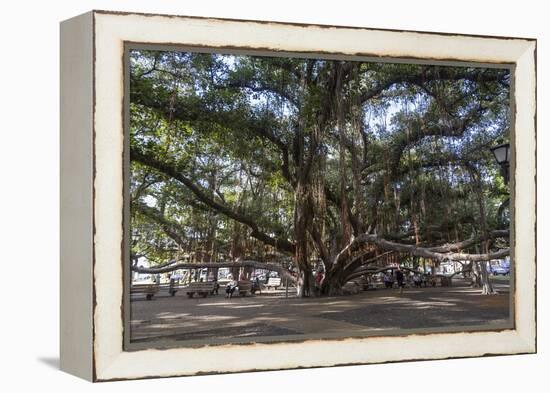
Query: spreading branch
point(470, 242)
point(172, 171)
point(418, 251)
point(176, 265)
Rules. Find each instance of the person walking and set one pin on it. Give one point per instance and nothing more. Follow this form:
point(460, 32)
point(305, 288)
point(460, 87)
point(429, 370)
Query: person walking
point(318, 281)
point(388, 280)
point(417, 280)
point(400, 279)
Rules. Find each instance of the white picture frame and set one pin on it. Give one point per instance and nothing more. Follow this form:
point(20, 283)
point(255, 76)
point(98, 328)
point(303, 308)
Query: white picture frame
point(92, 193)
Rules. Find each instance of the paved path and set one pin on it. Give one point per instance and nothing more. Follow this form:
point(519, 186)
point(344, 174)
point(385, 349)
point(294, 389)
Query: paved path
point(167, 321)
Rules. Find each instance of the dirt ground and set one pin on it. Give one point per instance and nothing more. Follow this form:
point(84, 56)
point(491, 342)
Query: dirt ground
point(175, 321)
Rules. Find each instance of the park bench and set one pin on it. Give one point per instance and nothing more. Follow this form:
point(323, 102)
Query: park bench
point(366, 284)
point(149, 290)
point(255, 287)
point(201, 288)
point(245, 287)
point(379, 284)
point(273, 282)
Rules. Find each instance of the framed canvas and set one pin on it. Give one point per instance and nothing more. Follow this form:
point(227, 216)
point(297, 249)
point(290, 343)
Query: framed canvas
point(247, 195)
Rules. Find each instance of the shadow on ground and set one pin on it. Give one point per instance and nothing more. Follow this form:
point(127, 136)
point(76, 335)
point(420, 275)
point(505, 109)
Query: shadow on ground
point(52, 362)
point(178, 318)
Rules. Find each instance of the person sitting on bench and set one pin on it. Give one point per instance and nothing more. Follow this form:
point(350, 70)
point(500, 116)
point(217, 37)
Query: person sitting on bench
point(230, 288)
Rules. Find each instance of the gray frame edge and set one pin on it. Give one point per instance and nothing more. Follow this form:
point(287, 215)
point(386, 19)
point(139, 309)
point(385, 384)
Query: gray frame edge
point(76, 196)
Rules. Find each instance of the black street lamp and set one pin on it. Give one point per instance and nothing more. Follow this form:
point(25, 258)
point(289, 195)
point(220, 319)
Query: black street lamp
point(502, 155)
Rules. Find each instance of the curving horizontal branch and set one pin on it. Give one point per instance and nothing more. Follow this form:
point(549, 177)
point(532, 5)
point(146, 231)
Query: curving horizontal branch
point(377, 270)
point(357, 262)
point(470, 242)
point(417, 251)
point(426, 75)
point(174, 265)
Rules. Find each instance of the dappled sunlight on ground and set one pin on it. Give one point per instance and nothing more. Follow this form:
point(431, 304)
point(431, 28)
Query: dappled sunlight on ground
point(330, 311)
point(178, 319)
point(247, 306)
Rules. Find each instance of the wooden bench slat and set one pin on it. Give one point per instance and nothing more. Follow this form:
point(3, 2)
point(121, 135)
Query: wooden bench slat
point(201, 288)
point(273, 282)
point(244, 286)
point(148, 289)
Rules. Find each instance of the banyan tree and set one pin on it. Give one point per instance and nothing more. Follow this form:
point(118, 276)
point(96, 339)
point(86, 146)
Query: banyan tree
point(328, 163)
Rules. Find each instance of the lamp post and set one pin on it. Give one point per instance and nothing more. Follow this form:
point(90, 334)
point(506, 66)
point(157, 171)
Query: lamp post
point(502, 156)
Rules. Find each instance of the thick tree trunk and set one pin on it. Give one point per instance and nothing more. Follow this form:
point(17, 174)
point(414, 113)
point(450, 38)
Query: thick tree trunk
point(332, 285)
point(476, 275)
point(487, 287)
point(333, 281)
point(304, 284)
point(301, 221)
point(341, 124)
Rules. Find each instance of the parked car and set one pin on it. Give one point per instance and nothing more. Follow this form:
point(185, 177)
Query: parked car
point(500, 270)
point(260, 277)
